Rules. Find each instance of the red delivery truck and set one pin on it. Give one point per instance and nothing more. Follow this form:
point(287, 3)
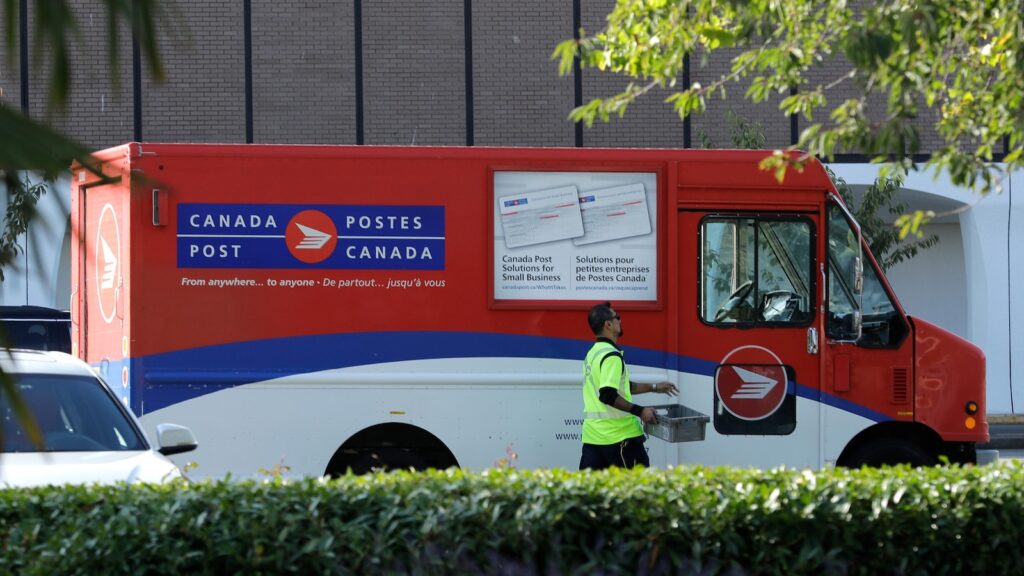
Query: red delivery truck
point(327, 308)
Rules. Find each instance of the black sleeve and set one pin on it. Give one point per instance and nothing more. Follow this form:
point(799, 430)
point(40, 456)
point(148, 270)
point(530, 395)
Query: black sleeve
point(608, 395)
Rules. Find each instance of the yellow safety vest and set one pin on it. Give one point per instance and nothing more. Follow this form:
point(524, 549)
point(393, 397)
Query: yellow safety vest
point(604, 424)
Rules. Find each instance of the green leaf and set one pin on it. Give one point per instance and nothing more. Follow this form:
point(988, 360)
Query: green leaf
point(25, 144)
point(891, 58)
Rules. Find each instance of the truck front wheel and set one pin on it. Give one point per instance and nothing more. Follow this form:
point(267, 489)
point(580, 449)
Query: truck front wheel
point(890, 452)
point(391, 446)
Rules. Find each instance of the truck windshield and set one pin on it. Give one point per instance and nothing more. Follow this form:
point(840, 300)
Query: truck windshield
point(882, 324)
point(73, 414)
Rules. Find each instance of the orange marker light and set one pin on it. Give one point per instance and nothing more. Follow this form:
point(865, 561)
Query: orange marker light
point(969, 423)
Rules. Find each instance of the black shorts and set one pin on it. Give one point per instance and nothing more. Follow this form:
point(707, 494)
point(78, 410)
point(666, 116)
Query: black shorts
point(626, 454)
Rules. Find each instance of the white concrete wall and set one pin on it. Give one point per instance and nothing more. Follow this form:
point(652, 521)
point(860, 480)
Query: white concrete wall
point(1015, 307)
point(969, 295)
point(41, 275)
point(945, 305)
point(985, 230)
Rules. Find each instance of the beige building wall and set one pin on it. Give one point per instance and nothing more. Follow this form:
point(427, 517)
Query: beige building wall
point(519, 99)
point(649, 122)
point(99, 110)
point(10, 68)
point(715, 127)
point(414, 72)
point(203, 97)
point(10, 82)
point(303, 66)
point(304, 82)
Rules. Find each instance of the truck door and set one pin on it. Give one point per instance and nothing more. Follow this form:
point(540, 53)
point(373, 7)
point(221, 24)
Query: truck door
point(869, 372)
point(101, 283)
point(749, 294)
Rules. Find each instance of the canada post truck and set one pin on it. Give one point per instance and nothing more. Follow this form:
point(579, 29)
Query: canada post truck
point(318, 309)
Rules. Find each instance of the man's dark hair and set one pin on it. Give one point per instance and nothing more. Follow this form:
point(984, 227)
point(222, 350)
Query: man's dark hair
point(599, 314)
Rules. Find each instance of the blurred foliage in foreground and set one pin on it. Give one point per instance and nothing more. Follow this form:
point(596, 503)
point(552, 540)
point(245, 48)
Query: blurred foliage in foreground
point(943, 520)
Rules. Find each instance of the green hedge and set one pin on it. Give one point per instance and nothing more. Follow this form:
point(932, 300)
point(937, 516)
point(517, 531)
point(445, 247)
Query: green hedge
point(506, 521)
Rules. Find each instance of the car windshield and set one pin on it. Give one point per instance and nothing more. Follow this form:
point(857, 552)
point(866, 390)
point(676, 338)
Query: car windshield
point(73, 414)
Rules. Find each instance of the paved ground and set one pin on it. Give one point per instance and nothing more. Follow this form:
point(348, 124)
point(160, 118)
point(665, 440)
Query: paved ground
point(1006, 436)
point(1016, 454)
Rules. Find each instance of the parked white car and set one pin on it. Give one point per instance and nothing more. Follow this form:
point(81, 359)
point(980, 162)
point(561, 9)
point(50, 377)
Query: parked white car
point(87, 435)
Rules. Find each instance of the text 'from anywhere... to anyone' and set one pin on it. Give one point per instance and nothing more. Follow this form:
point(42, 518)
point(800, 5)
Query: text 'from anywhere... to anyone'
point(218, 282)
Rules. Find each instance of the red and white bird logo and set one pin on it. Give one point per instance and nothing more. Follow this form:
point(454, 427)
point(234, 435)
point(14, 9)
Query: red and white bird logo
point(107, 262)
point(311, 236)
point(751, 383)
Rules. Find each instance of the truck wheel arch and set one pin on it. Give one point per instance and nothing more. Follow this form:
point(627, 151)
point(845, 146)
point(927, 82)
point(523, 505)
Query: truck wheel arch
point(390, 446)
point(892, 442)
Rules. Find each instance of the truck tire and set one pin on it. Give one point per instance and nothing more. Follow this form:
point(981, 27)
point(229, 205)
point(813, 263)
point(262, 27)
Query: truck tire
point(386, 458)
point(390, 446)
point(890, 452)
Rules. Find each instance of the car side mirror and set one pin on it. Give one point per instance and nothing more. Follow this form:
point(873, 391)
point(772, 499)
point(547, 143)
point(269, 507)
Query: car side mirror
point(174, 439)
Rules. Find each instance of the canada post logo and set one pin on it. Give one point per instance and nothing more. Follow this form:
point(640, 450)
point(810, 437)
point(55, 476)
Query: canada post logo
point(310, 236)
point(107, 260)
point(751, 383)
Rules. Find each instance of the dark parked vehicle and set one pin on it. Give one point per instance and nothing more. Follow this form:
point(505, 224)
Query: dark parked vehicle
point(36, 328)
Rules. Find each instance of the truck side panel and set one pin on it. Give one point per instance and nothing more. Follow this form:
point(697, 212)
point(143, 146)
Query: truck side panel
point(291, 298)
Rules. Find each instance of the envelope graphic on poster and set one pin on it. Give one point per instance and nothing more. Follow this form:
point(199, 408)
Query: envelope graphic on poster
point(541, 216)
point(614, 213)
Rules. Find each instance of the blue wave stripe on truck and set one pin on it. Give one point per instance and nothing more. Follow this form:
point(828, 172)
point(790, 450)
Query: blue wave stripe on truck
point(178, 376)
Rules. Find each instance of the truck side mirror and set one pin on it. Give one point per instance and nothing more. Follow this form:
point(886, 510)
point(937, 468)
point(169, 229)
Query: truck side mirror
point(857, 319)
point(858, 275)
point(847, 327)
